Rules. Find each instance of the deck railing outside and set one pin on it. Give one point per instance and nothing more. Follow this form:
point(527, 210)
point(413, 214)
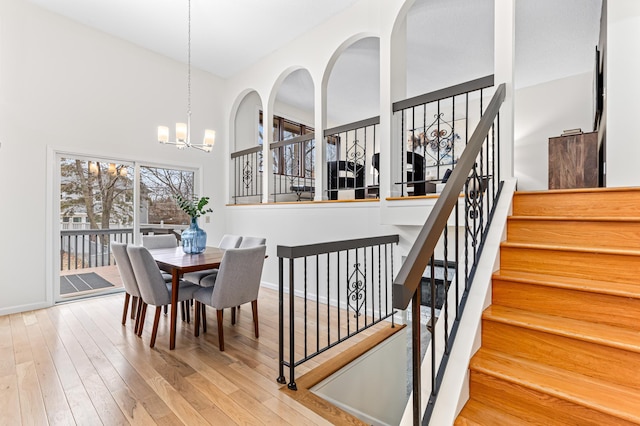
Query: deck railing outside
point(90, 248)
point(478, 178)
point(338, 288)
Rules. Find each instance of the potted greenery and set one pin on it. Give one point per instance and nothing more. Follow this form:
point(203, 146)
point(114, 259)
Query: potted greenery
point(194, 239)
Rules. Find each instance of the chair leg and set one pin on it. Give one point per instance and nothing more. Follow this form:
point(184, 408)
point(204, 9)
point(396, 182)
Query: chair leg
point(219, 313)
point(125, 308)
point(138, 315)
point(254, 309)
point(165, 309)
point(156, 320)
point(204, 317)
point(233, 316)
point(187, 306)
point(143, 313)
point(196, 329)
point(134, 306)
point(183, 310)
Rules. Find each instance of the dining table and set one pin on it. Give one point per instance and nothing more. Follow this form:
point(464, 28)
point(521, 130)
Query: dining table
point(176, 262)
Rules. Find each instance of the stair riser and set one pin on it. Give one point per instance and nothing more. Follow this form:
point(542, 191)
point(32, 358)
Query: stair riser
point(609, 234)
point(597, 266)
point(581, 305)
point(536, 407)
point(591, 359)
point(619, 203)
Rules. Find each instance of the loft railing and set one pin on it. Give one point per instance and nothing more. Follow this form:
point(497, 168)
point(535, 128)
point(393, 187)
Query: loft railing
point(294, 164)
point(434, 131)
point(350, 278)
point(247, 175)
point(349, 153)
point(479, 180)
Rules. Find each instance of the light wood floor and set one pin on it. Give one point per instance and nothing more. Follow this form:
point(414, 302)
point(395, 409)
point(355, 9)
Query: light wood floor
point(75, 363)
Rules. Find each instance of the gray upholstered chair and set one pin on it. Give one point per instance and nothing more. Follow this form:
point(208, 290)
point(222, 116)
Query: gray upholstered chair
point(153, 288)
point(129, 282)
point(237, 282)
point(248, 242)
point(159, 241)
point(228, 241)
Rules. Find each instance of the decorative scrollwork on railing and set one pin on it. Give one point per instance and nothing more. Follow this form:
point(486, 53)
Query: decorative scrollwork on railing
point(436, 141)
point(247, 174)
point(356, 153)
point(356, 289)
point(474, 200)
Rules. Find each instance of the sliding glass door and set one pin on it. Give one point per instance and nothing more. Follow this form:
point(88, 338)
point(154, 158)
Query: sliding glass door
point(102, 201)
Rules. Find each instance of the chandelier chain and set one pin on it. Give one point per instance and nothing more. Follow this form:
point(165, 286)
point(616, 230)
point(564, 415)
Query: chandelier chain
point(189, 63)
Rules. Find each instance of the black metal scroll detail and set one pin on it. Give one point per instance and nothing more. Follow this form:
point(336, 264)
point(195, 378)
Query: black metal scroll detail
point(356, 289)
point(247, 175)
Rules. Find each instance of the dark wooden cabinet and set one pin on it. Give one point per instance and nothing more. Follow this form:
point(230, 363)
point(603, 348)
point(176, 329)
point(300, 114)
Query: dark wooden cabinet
point(574, 161)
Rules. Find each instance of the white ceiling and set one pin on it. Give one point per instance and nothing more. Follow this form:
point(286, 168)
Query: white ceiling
point(448, 41)
point(227, 36)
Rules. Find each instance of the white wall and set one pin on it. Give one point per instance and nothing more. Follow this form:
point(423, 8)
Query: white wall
point(623, 92)
point(66, 87)
point(543, 111)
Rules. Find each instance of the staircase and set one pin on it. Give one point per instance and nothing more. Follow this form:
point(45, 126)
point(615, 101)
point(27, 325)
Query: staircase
point(561, 342)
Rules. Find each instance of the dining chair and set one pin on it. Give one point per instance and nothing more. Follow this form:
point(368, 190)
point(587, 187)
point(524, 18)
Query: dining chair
point(248, 242)
point(131, 290)
point(159, 241)
point(153, 288)
point(228, 241)
point(237, 283)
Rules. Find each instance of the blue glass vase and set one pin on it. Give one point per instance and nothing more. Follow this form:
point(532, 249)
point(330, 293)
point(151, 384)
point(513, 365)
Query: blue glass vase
point(194, 239)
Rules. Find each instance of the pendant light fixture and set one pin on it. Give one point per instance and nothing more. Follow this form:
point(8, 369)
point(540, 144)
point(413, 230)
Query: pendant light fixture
point(183, 130)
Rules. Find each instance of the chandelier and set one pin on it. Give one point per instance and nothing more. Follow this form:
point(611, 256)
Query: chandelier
point(183, 130)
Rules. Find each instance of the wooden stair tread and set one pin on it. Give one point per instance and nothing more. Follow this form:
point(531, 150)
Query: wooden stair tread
point(477, 413)
point(603, 334)
point(607, 398)
point(599, 250)
point(572, 283)
point(631, 219)
point(580, 190)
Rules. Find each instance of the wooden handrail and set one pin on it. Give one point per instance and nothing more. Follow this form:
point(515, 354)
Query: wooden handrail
point(447, 92)
point(410, 274)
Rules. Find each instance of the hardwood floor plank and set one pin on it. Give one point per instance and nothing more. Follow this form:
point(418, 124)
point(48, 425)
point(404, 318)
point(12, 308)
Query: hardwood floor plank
point(132, 408)
point(9, 400)
point(32, 409)
point(239, 414)
point(100, 396)
point(178, 404)
point(57, 406)
point(21, 347)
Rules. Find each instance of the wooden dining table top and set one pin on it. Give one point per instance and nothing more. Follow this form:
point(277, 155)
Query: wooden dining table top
point(169, 259)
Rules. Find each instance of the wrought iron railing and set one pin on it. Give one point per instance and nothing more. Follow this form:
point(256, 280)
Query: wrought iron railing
point(350, 153)
point(90, 248)
point(247, 175)
point(479, 180)
point(434, 131)
point(350, 278)
point(294, 164)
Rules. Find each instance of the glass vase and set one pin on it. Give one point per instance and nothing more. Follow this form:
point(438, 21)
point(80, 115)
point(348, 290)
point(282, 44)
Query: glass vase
point(194, 239)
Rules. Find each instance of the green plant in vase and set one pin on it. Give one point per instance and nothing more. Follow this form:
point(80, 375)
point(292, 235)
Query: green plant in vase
point(194, 239)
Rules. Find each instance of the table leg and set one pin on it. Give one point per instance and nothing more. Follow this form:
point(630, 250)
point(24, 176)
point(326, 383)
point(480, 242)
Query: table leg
point(175, 285)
